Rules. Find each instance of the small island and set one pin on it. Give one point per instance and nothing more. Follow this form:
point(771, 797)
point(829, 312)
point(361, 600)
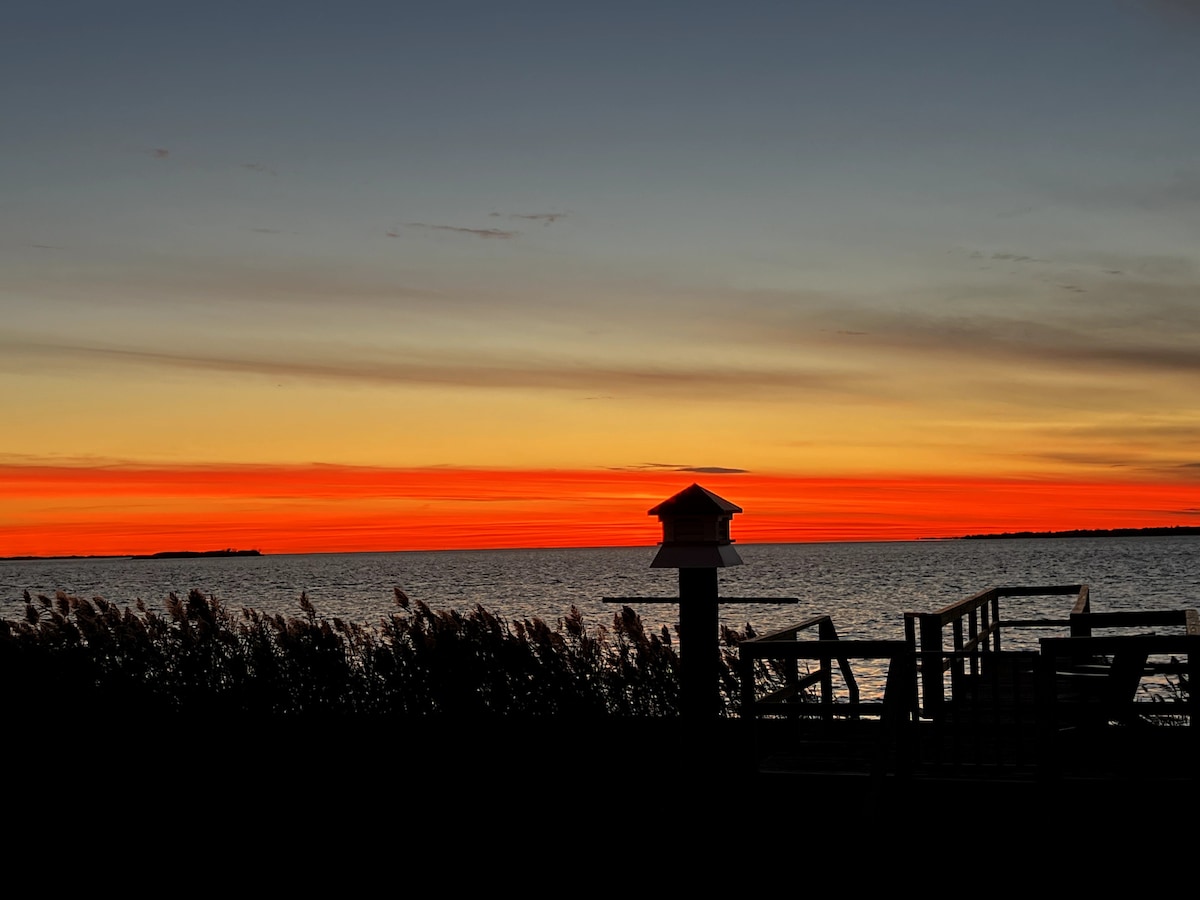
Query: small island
point(197, 554)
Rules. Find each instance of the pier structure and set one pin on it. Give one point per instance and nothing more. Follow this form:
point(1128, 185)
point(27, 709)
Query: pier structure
point(979, 695)
point(979, 698)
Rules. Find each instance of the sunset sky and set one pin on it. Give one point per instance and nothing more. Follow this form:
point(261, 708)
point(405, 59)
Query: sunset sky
point(387, 275)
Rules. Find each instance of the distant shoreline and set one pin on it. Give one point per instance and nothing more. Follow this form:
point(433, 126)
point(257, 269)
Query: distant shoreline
point(1164, 531)
point(166, 554)
point(196, 554)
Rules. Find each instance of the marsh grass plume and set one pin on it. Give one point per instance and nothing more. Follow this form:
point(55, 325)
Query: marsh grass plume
point(198, 656)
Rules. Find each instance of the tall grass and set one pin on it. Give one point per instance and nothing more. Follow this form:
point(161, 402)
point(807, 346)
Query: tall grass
point(200, 657)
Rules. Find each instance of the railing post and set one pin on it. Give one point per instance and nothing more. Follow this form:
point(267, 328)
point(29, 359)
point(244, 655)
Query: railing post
point(791, 671)
point(932, 692)
point(956, 662)
point(973, 620)
point(749, 710)
point(746, 676)
point(826, 671)
point(994, 606)
point(1081, 626)
point(1192, 669)
point(1045, 714)
point(898, 716)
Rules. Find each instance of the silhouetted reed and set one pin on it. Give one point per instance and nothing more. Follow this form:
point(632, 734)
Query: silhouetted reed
point(72, 654)
point(1170, 697)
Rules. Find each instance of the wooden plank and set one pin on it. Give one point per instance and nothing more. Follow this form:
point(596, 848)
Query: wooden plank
point(1106, 645)
point(1045, 590)
point(1135, 618)
point(823, 650)
point(631, 600)
point(1034, 623)
point(791, 631)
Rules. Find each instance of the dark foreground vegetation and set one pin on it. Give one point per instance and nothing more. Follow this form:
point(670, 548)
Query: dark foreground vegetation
point(454, 723)
point(437, 723)
point(201, 658)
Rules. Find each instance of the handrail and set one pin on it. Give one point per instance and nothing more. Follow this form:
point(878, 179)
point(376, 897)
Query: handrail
point(822, 651)
point(1083, 623)
point(892, 740)
point(1007, 712)
point(794, 685)
point(981, 615)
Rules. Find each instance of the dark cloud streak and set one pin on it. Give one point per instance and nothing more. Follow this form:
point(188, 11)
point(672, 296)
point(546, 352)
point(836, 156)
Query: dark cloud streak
point(544, 218)
point(1116, 326)
point(499, 233)
point(464, 371)
point(671, 467)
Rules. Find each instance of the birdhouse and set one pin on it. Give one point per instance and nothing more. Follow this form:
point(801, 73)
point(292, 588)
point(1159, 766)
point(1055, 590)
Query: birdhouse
point(695, 531)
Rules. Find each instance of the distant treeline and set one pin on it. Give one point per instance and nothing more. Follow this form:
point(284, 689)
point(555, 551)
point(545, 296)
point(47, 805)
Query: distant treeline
point(193, 554)
point(1092, 532)
point(165, 554)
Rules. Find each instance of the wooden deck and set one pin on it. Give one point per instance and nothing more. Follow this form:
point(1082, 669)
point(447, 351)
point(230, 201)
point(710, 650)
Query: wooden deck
point(959, 712)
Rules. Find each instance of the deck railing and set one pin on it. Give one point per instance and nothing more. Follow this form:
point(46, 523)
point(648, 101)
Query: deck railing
point(874, 736)
point(794, 685)
point(1097, 678)
point(975, 629)
point(1016, 710)
point(785, 649)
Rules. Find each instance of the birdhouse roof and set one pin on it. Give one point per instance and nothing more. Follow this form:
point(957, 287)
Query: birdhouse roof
point(694, 501)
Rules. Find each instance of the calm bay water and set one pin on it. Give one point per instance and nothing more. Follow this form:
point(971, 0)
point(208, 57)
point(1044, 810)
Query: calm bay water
point(865, 587)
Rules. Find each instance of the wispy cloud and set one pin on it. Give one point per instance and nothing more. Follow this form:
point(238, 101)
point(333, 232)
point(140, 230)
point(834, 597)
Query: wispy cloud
point(463, 369)
point(544, 218)
point(1016, 257)
point(1145, 265)
point(1120, 326)
point(1077, 458)
point(671, 467)
point(476, 232)
point(1130, 464)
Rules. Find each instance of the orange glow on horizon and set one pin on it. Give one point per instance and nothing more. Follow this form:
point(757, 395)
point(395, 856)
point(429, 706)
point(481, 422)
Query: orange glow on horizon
point(117, 510)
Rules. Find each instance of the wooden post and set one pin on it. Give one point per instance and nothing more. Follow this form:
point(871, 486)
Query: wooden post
point(696, 541)
point(932, 692)
point(700, 649)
